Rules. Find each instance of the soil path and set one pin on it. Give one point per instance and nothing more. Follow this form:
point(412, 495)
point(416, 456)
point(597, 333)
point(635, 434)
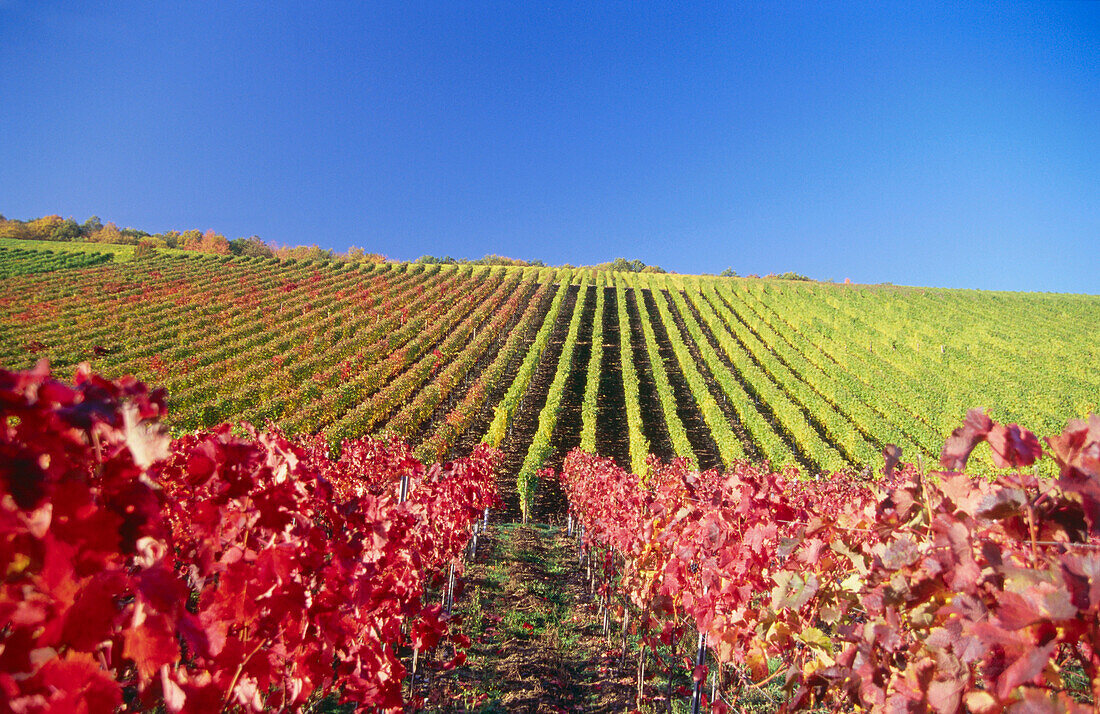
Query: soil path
point(537, 645)
point(445, 406)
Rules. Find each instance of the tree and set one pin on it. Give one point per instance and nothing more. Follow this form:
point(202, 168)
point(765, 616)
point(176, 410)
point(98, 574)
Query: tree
point(190, 240)
point(42, 228)
point(13, 229)
point(251, 247)
point(90, 226)
point(106, 234)
point(69, 230)
point(132, 236)
point(171, 238)
point(630, 266)
point(433, 260)
point(494, 259)
point(358, 256)
point(209, 242)
point(728, 273)
point(305, 252)
point(214, 243)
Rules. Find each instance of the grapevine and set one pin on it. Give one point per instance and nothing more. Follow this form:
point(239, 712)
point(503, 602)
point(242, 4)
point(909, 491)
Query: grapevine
point(218, 570)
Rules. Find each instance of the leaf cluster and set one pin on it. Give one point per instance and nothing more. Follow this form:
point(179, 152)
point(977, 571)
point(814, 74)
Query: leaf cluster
point(916, 592)
point(215, 571)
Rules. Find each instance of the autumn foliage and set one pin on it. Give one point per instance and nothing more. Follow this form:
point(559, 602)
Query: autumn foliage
point(216, 571)
point(918, 592)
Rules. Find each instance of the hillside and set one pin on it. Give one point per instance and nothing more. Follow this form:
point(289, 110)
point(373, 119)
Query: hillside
point(539, 360)
point(602, 600)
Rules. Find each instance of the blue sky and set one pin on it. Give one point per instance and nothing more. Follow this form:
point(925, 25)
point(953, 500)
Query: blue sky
point(883, 142)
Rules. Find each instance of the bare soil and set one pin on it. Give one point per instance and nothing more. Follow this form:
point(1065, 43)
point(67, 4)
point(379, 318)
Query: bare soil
point(429, 425)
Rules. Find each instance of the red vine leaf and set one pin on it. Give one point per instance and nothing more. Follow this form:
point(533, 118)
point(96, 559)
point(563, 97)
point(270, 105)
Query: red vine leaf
point(957, 448)
point(1012, 446)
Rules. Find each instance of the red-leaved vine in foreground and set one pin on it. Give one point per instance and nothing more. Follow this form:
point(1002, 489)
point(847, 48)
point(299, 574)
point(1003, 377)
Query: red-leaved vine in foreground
point(937, 592)
point(215, 571)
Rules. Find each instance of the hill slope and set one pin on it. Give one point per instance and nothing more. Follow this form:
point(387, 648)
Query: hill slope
point(532, 359)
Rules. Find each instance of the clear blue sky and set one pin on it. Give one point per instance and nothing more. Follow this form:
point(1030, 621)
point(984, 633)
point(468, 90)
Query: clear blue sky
point(882, 142)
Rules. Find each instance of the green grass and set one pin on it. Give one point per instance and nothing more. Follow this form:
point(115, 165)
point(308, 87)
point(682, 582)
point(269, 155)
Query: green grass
point(122, 253)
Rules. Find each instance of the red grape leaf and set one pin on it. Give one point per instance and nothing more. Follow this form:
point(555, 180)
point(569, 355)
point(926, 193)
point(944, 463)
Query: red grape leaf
point(758, 535)
point(957, 448)
point(1013, 447)
point(91, 620)
point(1035, 604)
point(151, 645)
point(1082, 577)
point(161, 587)
point(174, 697)
point(1002, 503)
point(1025, 669)
point(87, 686)
point(899, 553)
point(1078, 446)
point(792, 590)
point(962, 491)
point(982, 703)
point(945, 691)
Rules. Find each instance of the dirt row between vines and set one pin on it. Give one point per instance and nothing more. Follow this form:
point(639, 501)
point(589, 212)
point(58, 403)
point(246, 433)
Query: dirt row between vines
point(654, 427)
point(472, 436)
point(834, 403)
point(762, 406)
point(698, 433)
point(429, 425)
point(715, 390)
point(611, 426)
point(526, 419)
point(381, 425)
point(550, 502)
point(537, 644)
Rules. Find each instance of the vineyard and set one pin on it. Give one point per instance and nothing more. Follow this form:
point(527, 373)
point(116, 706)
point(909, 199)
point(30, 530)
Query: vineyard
point(535, 360)
point(676, 427)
